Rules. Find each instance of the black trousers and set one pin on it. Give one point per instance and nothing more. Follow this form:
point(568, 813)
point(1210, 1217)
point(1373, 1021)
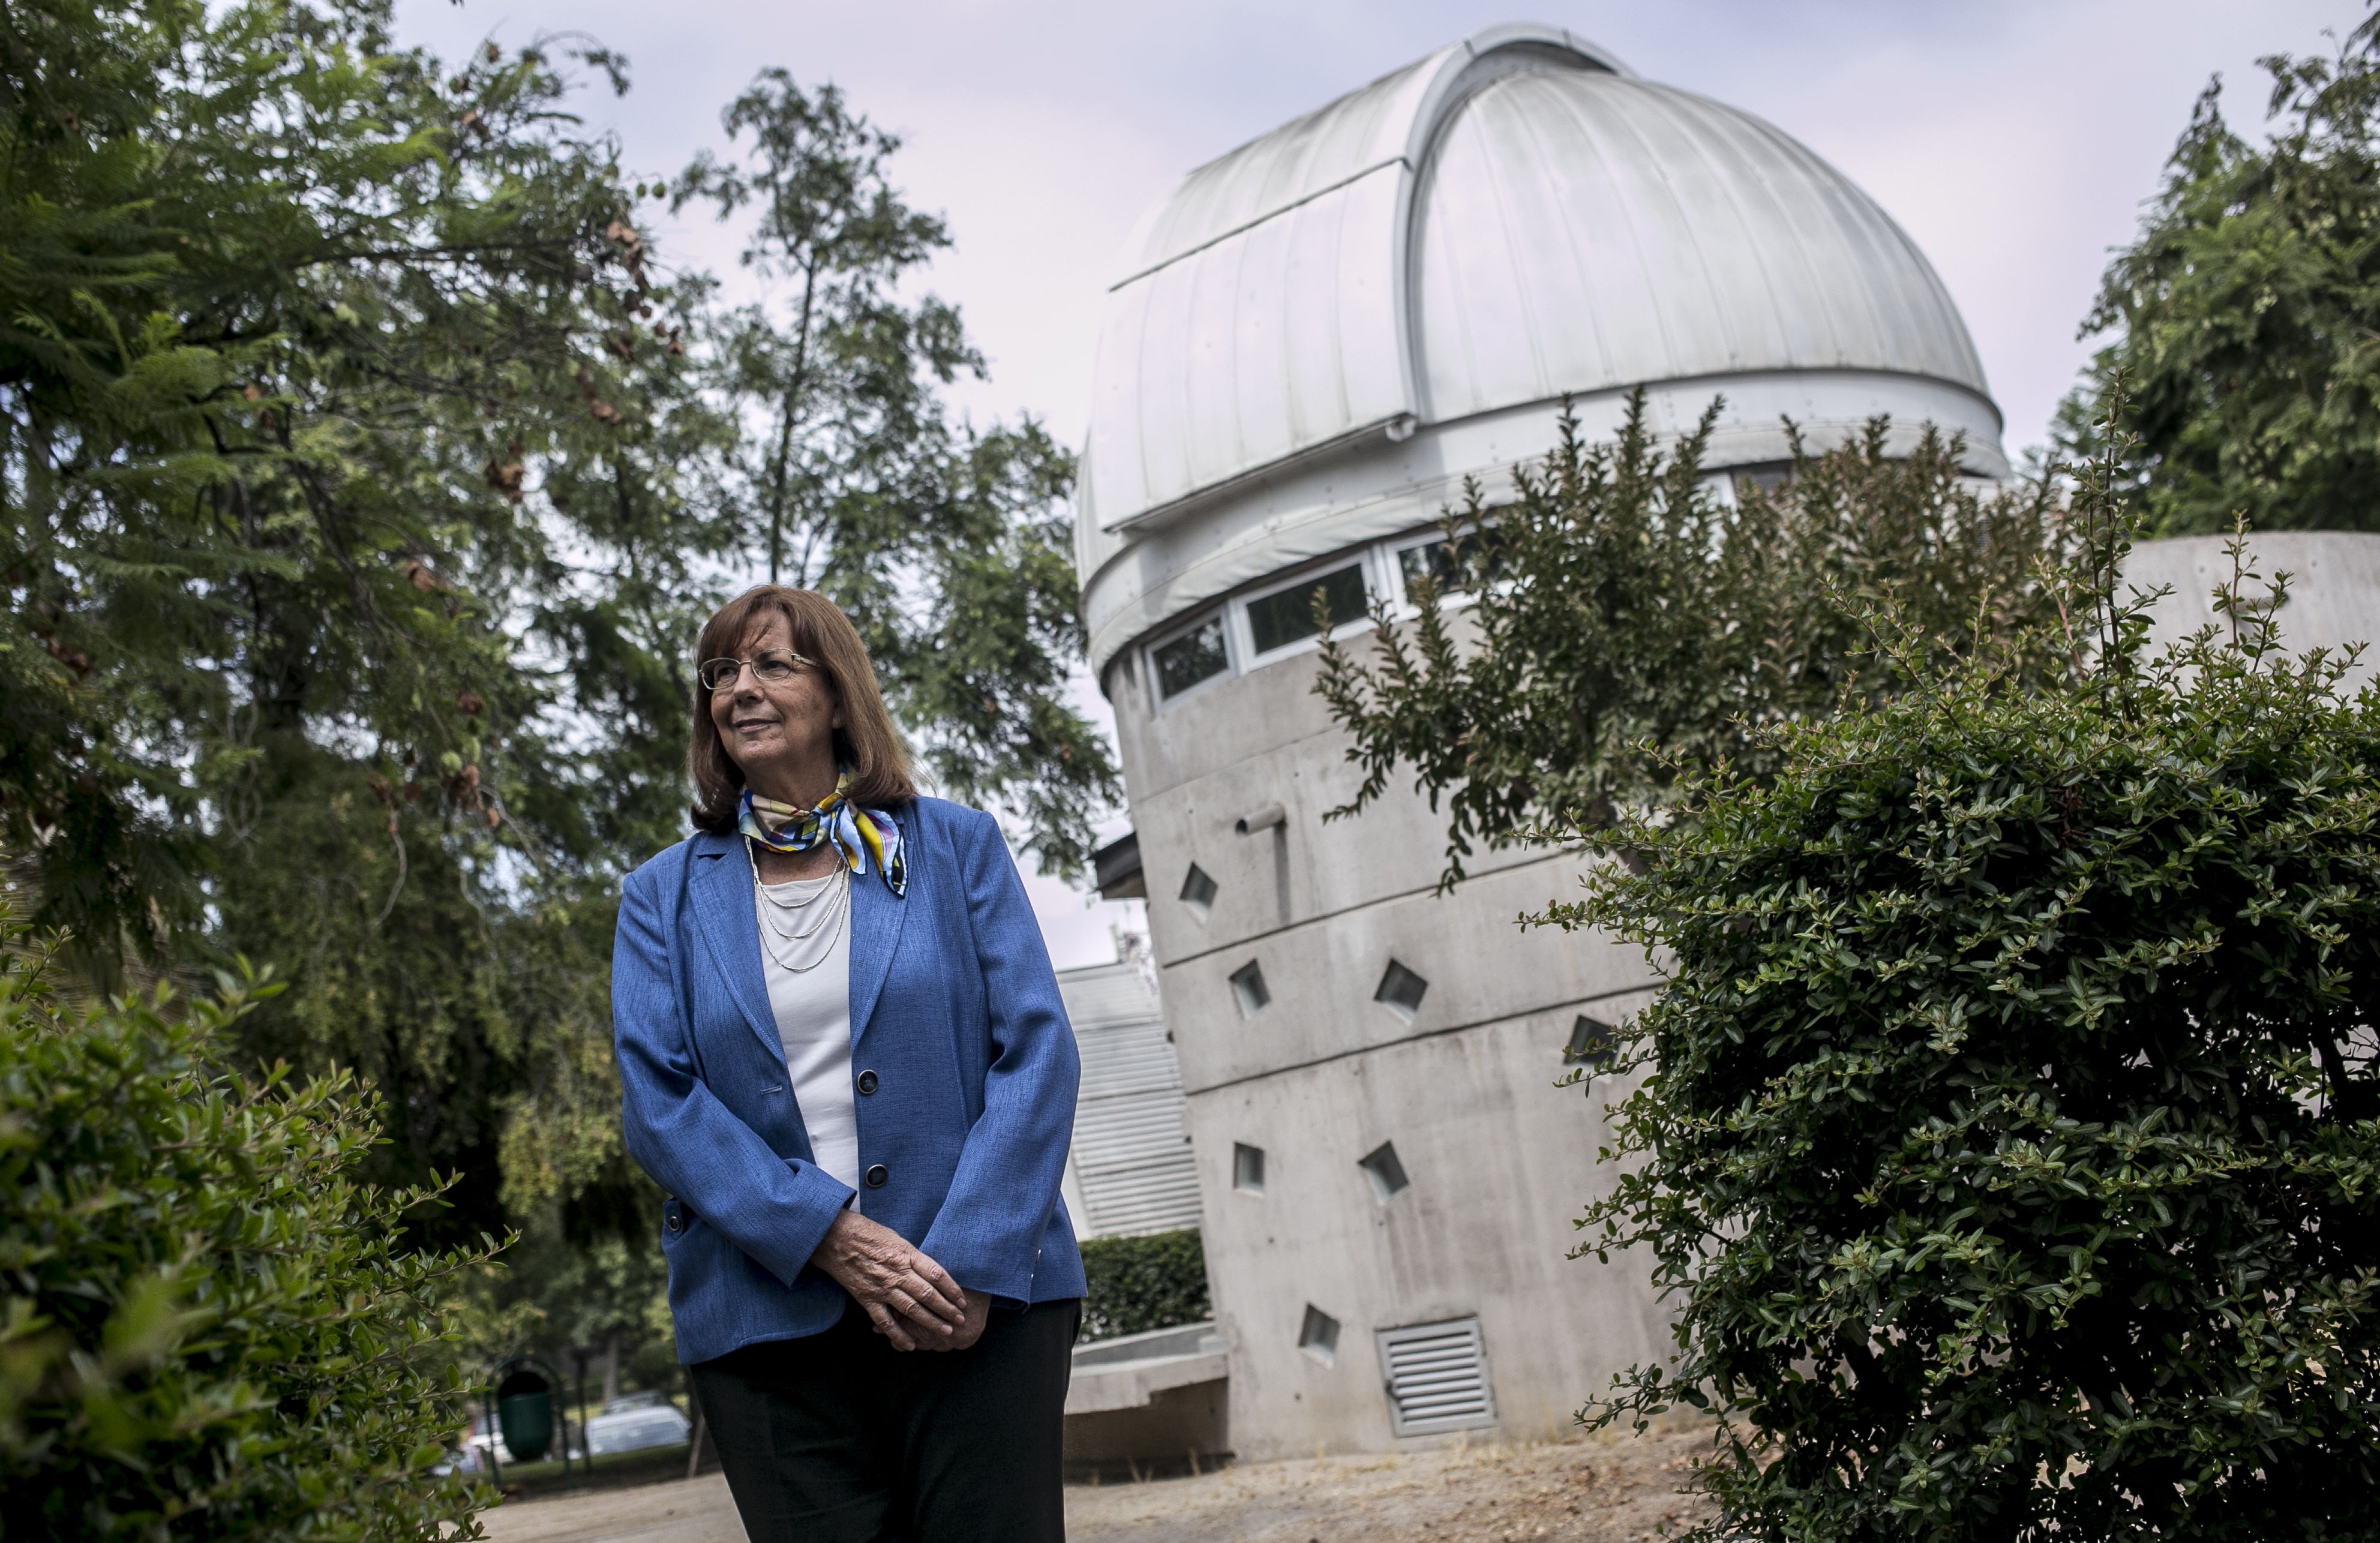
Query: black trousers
point(838, 1437)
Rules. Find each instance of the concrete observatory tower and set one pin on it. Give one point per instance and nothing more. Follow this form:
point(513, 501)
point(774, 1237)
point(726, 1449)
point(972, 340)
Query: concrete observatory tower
point(1309, 345)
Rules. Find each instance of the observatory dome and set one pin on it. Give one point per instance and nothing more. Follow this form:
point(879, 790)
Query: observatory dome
point(1317, 337)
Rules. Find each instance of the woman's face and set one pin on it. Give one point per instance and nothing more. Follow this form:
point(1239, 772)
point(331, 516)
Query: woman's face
point(781, 734)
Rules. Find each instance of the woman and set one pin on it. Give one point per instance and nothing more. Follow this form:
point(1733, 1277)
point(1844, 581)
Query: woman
point(842, 1053)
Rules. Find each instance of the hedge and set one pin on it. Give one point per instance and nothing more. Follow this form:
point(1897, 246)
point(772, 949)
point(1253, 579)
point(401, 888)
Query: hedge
point(1139, 1284)
point(2010, 1142)
point(208, 1328)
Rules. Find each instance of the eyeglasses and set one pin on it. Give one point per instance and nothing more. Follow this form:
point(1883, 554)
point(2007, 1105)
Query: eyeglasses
point(770, 667)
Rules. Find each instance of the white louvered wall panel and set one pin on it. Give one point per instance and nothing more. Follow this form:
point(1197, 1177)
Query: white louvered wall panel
point(1132, 1155)
point(1437, 1378)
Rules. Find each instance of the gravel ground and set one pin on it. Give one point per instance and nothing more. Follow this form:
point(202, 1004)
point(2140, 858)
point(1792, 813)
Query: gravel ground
point(1594, 1491)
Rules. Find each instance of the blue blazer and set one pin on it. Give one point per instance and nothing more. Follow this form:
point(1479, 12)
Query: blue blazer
point(953, 1009)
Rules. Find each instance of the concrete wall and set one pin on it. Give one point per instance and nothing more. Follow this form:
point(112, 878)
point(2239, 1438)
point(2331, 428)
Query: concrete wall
point(1147, 1403)
point(1178, 1430)
point(2334, 591)
point(1499, 1160)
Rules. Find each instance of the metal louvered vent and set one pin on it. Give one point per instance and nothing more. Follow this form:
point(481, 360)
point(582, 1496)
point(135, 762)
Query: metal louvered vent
point(1437, 1378)
point(1131, 1154)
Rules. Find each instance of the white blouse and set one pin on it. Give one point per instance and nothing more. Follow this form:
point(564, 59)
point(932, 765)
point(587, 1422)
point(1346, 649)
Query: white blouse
point(805, 953)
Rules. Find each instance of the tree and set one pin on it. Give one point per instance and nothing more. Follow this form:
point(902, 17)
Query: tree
point(2243, 323)
point(948, 545)
point(215, 1331)
point(1624, 620)
point(290, 318)
point(2007, 1135)
point(364, 478)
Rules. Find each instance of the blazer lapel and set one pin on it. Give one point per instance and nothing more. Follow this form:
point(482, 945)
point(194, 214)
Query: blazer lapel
point(722, 887)
point(876, 917)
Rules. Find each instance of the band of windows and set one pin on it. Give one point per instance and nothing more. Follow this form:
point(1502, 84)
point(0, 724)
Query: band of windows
point(1271, 624)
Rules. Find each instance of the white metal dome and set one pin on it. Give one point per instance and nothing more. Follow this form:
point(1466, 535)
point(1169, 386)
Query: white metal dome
point(1320, 333)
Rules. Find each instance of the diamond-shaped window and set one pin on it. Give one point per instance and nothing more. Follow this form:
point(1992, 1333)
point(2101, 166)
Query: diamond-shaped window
point(1400, 991)
point(1318, 1335)
point(1248, 990)
point(1590, 1044)
point(1198, 891)
point(1388, 1174)
point(1247, 1168)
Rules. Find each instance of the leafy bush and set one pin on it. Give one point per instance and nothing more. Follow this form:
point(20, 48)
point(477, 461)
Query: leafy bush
point(1139, 1283)
point(2009, 1137)
point(1623, 611)
point(208, 1329)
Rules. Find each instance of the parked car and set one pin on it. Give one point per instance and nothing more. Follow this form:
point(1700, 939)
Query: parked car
point(637, 1429)
point(477, 1441)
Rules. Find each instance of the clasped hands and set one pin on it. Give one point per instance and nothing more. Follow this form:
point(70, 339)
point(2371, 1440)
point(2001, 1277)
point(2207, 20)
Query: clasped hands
point(911, 1300)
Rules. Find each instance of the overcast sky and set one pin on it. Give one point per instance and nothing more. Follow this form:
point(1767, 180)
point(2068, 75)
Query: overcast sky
point(2014, 142)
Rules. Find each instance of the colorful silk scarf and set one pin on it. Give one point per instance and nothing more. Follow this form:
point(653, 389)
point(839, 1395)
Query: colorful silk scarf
point(858, 834)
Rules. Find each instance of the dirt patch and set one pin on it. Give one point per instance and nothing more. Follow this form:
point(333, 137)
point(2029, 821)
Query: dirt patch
point(678, 1510)
point(1577, 1491)
point(1624, 1490)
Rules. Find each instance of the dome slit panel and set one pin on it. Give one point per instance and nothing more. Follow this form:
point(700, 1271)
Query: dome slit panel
point(1214, 407)
point(1448, 371)
point(1290, 169)
point(1260, 412)
point(1165, 413)
point(1350, 141)
point(1370, 370)
point(1317, 397)
point(1572, 202)
point(1266, 174)
point(1577, 187)
point(1119, 472)
point(1285, 338)
point(1465, 222)
point(1276, 174)
point(1200, 211)
point(1603, 265)
point(1550, 310)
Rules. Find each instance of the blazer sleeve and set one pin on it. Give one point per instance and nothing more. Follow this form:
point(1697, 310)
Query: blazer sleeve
point(988, 1232)
point(774, 1208)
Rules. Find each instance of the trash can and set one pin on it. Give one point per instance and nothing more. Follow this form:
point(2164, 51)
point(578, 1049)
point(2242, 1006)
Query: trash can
point(525, 1413)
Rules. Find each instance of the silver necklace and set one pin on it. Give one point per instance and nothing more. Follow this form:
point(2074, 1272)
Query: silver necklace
point(825, 909)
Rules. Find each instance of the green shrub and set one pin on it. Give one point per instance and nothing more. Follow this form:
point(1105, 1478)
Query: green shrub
point(1622, 610)
point(208, 1329)
point(1139, 1283)
point(2007, 1141)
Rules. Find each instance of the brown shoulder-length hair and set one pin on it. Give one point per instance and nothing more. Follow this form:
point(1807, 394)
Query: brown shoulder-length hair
point(868, 743)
